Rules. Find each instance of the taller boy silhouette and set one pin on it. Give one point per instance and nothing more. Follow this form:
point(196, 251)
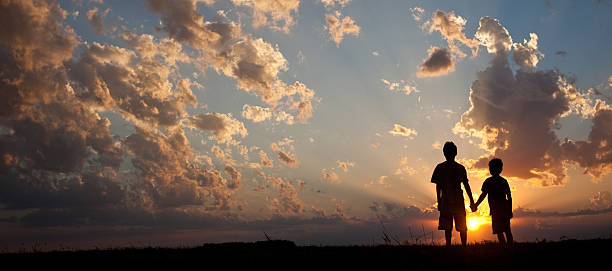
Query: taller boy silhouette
point(448, 177)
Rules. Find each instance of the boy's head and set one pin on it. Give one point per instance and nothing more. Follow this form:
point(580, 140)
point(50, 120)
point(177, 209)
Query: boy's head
point(450, 150)
point(495, 166)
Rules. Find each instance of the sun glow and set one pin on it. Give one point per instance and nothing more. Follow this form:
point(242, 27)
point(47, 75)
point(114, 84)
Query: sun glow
point(475, 221)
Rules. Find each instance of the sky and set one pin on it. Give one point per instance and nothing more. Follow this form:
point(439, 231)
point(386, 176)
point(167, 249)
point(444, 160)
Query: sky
point(172, 123)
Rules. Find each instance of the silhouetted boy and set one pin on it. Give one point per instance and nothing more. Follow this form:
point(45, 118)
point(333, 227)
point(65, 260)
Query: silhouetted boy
point(500, 201)
point(448, 177)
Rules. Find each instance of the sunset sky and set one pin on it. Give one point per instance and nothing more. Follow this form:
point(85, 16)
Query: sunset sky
point(163, 122)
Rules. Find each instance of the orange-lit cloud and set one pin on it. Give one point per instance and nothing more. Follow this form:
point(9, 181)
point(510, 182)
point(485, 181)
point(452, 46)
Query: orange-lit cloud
point(272, 12)
point(254, 63)
point(339, 26)
point(284, 157)
point(417, 13)
point(399, 130)
point(402, 86)
point(450, 27)
point(97, 19)
point(332, 3)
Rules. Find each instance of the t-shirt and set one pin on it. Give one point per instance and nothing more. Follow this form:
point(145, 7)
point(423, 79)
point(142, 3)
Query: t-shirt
point(497, 188)
point(449, 175)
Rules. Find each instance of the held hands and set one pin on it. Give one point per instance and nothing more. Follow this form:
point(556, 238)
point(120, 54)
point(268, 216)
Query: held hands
point(473, 207)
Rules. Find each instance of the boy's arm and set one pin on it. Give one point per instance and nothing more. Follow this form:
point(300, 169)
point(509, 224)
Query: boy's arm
point(468, 190)
point(509, 201)
point(438, 192)
point(481, 198)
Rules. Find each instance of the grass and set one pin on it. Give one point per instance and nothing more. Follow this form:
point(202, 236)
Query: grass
point(565, 255)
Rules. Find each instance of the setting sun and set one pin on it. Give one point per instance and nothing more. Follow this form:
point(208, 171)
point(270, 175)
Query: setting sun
point(475, 221)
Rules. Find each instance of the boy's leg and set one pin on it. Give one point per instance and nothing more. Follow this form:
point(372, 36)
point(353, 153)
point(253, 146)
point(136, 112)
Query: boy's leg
point(461, 227)
point(509, 237)
point(448, 234)
point(500, 237)
point(463, 237)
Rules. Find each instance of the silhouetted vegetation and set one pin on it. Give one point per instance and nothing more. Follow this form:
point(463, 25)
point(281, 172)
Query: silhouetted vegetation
point(285, 254)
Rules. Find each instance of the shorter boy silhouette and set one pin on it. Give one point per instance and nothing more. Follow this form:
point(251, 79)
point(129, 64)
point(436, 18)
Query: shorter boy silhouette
point(500, 201)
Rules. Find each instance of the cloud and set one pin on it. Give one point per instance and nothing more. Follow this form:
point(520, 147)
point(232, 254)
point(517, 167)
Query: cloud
point(399, 130)
point(256, 113)
point(265, 160)
point(332, 3)
point(284, 157)
point(110, 78)
point(148, 48)
point(382, 181)
point(601, 200)
point(339, 26)
point(254, 63)
point(417, 13)
point(287, 201)
point(527, 55)
point(515, 115)
point(494, 36)
point(594, 154)
point(522, 212)
point(277, 11)
point(345, 165)
point(402, 86)
point(436, 145)
point(169, 175)
point(222, 126)
point(330, 177)
point(97, 19)
point(56, 151)
point(450, 27)
point(234, 175)
point(404, 168)
point(439, 62)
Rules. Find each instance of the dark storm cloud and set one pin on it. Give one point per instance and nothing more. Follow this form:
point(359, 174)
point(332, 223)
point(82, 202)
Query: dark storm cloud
point(516, 115)
point(57, 152)
point(439, 62)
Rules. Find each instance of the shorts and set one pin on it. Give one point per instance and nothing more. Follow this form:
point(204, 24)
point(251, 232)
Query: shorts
point(500, 224)
point(446, 221)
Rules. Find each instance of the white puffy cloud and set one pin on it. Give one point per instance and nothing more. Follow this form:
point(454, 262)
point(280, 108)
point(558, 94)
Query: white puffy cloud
point(494, 36)
point(256, 113)
point(527, 55)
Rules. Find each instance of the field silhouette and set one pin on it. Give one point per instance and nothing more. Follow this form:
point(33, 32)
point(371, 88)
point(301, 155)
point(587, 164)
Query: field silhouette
point(565, 255)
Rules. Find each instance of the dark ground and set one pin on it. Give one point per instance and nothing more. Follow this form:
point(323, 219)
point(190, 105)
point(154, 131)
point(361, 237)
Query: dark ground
point(564, 255)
